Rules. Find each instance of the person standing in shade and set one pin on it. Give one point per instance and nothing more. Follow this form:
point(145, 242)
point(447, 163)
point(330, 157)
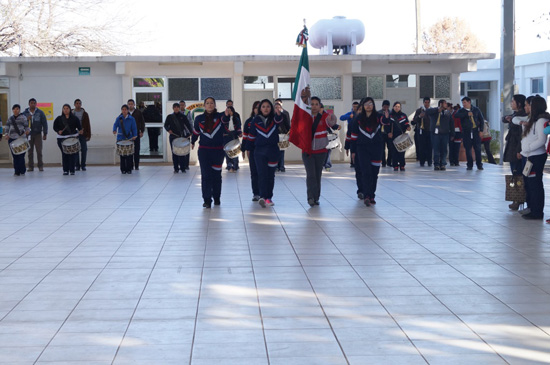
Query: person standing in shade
point(125, 129)
point(348, 117)
point(67, 126)
point(177, 125)
point(397, 123)
point(386, 161)
point(140, 124)
point(189, 117)
point(284, 128)
point(441, 129)
point(153, 114)
point(39, 133)
point(422, 129)
point(471, 120)
point(513, 139)
point(234, 132)
point(248, 150)
point(211, 127)
point(454, 145)
point(16, 127)
point(533, 151)
point(84, 137)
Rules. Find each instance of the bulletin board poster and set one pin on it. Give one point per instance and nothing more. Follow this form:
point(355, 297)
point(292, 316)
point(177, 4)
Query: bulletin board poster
point(47, 108)
point(329, 109)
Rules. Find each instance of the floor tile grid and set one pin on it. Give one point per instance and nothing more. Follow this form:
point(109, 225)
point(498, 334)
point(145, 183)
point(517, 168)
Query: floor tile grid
point(450, 264)
point(193, 177)
point(39, 242)
point(99, 273)
point(353, 268)
point(420, 282)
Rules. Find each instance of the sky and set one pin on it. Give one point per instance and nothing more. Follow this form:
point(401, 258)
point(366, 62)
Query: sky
point(217, 27)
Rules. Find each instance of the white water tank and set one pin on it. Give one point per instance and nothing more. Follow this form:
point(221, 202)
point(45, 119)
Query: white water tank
point(337, 34)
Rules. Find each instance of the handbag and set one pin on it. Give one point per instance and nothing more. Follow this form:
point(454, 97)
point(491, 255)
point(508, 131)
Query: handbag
point(515, 188)
point(486, 131)
point(527, 168)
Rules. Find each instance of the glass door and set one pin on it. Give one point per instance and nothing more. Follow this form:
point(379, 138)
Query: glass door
point(152, 143)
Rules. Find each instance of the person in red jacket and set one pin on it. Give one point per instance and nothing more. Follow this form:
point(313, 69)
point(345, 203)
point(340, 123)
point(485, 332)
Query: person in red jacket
point(315, 156)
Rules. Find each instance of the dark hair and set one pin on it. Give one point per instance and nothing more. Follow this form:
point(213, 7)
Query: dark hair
point(182, 101)
point(32, 99)
point(538, 109)
point(271, 113)
point(529, 99)
point(520, 100)
point(322, 105)
point(175, 105)
point(426, 99)
point(77, 100)
point(68, 106)
point(124, 106)
point(316, 98)
point(368, 121)
point(131, 100)
point(441, 101)
point(385, 102)
point(279, 100)
point(355, 103)
point(209, 117)
point(397, 102)
point(16, 106)
point(254, 106)
point(466, 99)
point(228, 101)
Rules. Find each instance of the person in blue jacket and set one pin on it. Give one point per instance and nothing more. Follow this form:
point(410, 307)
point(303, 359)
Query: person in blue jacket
point(211, 127)
point(248, 150)
point(125, 128)
point(348, 117)
point(265, 136)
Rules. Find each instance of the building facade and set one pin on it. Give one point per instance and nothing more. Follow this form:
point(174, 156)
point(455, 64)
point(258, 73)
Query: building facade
point(105, 83)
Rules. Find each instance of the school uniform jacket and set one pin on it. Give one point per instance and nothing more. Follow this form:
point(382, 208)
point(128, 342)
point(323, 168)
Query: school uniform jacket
point(210, 139)
point(247, 145)
point(264, 133)
point(399, 121)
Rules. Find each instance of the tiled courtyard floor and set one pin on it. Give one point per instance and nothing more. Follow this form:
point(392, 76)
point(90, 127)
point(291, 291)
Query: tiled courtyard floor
point(104, 268)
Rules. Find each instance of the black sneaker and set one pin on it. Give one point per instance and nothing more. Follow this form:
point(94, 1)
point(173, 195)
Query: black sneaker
point(469, 168)
point(217, 201)
point(72, 172)
point(480, 167)
point(65, 172)
point(207, 204)
point(84, 169)
point(436, 168)
point(360, 196)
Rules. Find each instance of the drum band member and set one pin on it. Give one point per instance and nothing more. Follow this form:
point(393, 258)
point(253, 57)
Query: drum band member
point(125, 128)
point(17, 127)
point(67, 126)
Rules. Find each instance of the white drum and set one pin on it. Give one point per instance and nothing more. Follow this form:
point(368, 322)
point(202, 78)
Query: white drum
point(20, 146)
point(333, 141)
point(125, 148)
point(70, 146)
point(284, 142)
point(232, 148)
point(403, 142)
point(181, 146)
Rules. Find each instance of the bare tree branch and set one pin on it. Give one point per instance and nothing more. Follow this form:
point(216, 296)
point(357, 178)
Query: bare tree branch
point(451, 35)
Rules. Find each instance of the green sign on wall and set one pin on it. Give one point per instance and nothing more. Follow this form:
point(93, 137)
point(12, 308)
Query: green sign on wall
point(84, 71)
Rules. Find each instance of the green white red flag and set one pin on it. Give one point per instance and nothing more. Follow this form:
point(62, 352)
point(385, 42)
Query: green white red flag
point(301, 123)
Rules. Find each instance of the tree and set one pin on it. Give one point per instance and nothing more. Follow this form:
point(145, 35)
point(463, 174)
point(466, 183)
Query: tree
point(54, 28)
point(451, 35)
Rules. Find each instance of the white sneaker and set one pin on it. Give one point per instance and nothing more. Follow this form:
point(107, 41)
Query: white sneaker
point(524, 211)
point(262, 202)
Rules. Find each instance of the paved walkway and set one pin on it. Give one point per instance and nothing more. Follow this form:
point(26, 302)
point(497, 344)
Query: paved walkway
point(104, 268)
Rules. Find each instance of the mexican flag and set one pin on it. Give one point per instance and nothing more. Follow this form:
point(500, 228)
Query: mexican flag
point(301, 123)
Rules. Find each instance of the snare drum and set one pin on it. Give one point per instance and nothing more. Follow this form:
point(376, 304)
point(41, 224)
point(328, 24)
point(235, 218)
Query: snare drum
point(70, 146)
point(403, 142)
point(232, 148)
point(20, 146)
point(333, 141)
point(125, 148)
point(181, 146)
point(283, 141)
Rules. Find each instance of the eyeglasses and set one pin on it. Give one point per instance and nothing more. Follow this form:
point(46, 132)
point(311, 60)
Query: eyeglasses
point(369, 103)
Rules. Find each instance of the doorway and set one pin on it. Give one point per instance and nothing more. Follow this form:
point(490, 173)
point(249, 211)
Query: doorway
point(152, 146)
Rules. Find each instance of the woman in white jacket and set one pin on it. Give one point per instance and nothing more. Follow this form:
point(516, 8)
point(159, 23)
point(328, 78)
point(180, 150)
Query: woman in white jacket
point(533, 149)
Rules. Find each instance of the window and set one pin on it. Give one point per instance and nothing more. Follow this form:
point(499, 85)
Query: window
point(4, 83)
point(479, 85)
point(218, 88)
point(372, 86)
point(537, 86)
point(285, 85)
point(398, 81)
point(183, 89)
point(258, 83)
point(326, 88)
point(438, 86)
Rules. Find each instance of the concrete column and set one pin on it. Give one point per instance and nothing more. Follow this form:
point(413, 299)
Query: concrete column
point(507, 63)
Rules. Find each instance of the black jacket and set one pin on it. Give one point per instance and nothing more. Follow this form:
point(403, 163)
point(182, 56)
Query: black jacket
point(466, 122)
point(178, 124)
point(68, 126)
point(446, 122)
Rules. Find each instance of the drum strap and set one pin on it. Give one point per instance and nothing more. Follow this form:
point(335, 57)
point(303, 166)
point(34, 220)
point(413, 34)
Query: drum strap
point(315, 125)
point(122, 127)
point(14, 122)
